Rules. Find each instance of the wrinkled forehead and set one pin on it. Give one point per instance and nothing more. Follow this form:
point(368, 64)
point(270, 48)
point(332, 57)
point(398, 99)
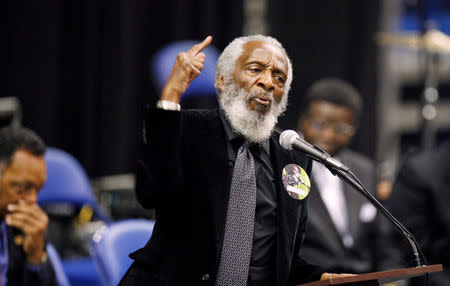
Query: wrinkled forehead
point(266, 53)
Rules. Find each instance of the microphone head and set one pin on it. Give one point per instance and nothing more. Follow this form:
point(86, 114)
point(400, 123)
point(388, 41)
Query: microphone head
point(287, 137)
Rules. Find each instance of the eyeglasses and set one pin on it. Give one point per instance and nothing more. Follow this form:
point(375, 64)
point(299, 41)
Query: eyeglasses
point(341, 129)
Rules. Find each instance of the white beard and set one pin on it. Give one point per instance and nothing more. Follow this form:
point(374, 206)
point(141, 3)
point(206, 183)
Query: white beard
point(255, 127)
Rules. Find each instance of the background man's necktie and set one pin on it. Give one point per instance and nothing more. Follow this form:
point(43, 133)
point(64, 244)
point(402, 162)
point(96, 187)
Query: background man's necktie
point(238, 240)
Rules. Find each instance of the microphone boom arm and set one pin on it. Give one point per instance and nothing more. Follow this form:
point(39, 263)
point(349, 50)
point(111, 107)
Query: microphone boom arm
point(290, 140)
point(351, 179)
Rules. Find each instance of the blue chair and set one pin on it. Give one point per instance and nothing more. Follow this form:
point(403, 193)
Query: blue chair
point(57, 266)
point(162, 63)
point(81, 271)
point(67, 184)
point(112, 244)
point(66, 191)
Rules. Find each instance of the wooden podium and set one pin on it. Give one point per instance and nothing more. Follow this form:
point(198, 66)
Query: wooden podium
point(378, 278)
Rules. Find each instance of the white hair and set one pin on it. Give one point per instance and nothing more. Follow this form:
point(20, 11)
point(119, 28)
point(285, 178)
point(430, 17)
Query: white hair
point(230, 55)
point(252, 124)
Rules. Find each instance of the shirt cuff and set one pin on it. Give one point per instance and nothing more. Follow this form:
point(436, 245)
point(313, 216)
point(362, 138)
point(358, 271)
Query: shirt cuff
point(33, 268)
point(37, 267)
point(168, 105)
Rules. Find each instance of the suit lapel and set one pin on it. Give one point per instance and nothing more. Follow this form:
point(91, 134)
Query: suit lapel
point(218, 189)
point(353, 208)
point(16, 258)
point(353, 201)
point(288, 212)
point(288, 207)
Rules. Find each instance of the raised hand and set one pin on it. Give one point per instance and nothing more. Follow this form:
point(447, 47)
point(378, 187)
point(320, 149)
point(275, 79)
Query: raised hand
point(328, 276)
point(33, 222)
point(187, 67)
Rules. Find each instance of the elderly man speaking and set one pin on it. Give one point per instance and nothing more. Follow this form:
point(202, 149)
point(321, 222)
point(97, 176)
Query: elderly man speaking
point(215, 177)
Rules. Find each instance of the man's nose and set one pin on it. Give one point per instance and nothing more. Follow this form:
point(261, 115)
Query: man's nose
point(266, 81)
point(328, 132)
point(31, 196)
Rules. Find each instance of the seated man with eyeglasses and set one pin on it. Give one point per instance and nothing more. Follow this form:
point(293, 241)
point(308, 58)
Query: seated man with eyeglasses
point(23, 224)
point(342, 224)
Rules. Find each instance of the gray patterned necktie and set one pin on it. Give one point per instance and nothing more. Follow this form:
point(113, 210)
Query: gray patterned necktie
point(238, 240)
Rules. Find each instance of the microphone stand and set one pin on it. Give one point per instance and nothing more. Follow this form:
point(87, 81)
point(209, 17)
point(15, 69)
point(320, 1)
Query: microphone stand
point(288, 140)
point(350, 178)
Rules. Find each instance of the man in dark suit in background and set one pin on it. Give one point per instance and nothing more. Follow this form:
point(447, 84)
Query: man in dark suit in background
point(190, 162)
point(23, 260)
point(341, 222)
point(420, 199)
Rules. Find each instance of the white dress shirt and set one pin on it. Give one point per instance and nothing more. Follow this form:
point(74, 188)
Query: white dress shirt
point(332, 193)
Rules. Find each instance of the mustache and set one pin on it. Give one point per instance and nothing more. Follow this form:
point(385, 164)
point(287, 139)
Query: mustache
point(265, 94)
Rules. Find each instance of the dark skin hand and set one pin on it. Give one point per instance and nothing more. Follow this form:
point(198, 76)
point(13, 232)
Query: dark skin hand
point(328, 276)
point(187, 67)
point(33, 222)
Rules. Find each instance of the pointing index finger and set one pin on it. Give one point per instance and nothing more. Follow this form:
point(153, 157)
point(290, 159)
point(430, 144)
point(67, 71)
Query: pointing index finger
point(200, 46)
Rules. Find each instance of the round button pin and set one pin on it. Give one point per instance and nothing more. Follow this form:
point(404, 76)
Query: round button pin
point(296, 181)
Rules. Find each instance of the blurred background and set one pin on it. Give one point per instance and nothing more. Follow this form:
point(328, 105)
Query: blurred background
point(79, 72)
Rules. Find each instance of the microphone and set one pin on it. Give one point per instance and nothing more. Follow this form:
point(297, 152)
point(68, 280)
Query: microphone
point(290, 140)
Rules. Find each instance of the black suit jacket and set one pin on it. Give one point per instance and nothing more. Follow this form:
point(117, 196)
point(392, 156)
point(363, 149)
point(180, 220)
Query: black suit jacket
point(323, 244)
point(420, 200)
point(18, 274)
point(185, 175)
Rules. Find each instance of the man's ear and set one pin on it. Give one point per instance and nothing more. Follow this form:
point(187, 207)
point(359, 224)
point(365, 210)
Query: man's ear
point(220, 82)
